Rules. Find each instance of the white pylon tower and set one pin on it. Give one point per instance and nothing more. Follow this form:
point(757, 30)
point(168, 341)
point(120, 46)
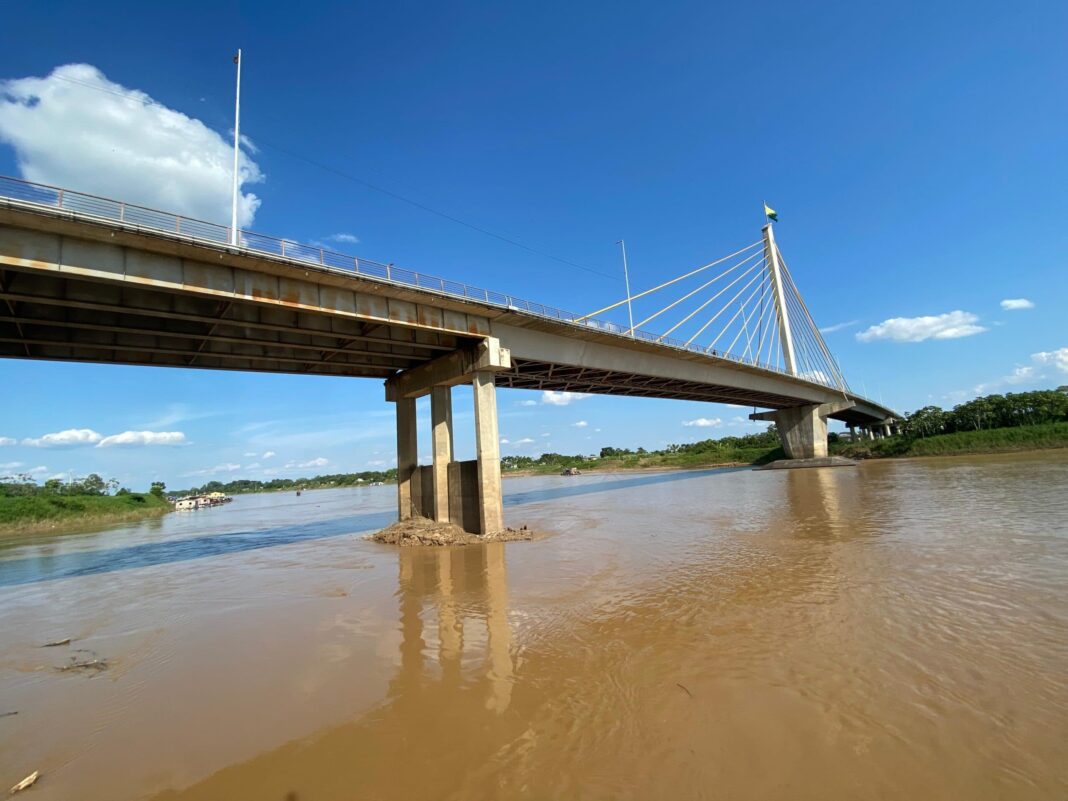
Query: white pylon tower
point(771, 253)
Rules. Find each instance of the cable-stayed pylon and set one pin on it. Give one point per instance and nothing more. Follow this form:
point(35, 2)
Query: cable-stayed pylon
point(750, 311)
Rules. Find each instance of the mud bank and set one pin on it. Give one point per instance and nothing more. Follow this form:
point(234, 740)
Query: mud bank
point(421, 531)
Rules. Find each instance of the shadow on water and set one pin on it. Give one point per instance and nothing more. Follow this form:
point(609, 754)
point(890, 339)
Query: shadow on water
point(87, 563)
point(29, 570)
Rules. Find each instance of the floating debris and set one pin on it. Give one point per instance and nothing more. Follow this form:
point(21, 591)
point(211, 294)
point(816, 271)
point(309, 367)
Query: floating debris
point(54, 643)
point(92, 663)
point(684, 688)
point(8, 714)
point(26, 783)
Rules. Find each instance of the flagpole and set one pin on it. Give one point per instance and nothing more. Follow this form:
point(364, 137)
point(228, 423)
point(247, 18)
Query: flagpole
point(237, 146)
point(626, 282)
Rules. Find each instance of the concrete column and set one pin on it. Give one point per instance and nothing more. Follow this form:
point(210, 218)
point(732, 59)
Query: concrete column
point(407, 455)
point(852, 433)
point(487, 445)
point(441, 422)
point(803, 432)
point(886, 429)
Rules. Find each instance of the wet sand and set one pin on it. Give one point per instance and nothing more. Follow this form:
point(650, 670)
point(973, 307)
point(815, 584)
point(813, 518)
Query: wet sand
point(896, 630)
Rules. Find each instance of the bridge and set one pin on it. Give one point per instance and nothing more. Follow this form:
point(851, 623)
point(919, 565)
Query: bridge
point(90, 279)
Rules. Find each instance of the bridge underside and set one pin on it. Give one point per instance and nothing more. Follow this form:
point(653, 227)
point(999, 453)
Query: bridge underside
point(57, 317)
point(539, 375)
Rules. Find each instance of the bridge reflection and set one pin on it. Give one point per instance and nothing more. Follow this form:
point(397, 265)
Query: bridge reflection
point(468, 589)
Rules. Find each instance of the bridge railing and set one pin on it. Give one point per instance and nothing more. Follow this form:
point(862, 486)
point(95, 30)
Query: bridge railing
point(81, 204)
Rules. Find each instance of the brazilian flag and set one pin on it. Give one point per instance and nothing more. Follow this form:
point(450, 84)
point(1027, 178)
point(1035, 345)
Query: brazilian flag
point(770, 213)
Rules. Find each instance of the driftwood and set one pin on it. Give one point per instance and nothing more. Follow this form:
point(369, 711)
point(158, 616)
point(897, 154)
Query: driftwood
point(27, 782)
point(56, 642)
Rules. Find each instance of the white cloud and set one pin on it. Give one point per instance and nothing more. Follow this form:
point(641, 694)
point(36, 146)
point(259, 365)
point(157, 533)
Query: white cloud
point(252, 466)
point(317, 462)
point(75, 128)
point(6, 466)
point(71, 438)
point(1015, 304)
point(8, 441)
point(1026, 373)
point(838, 327)
point(225, 467)
point(505, 441)
point(951, 325)
point(143, 438)
point(267, 454)
point(561, 398)
point(349, 239)
point(703, 422)
point(546, 434)
point(580, 424)
point(1057, 358)
point(37, 471)
point(524, 441)
point(528, 403)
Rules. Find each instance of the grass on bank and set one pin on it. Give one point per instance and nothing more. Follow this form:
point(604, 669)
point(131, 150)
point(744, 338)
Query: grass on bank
point(40, 512)
point(649, 461)
point(993, 440)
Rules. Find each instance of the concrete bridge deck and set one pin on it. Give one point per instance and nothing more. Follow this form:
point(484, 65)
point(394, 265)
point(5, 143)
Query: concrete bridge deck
point(81, 286)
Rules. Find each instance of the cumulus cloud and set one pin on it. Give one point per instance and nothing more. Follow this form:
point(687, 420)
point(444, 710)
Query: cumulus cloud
point(1038, 370)
point(267, 454)
point(528, 403)
point(523, 441)
point(75, 128)
point(561, 398)
point(580, 424)
point(83, 437)
point(1015, 304)
point(703, 422)
point(1057, 358)
point(7, 441)
point(142, 438)
point(317, 462)
point(505, 441)
point(951, 325)
point(838, 327)
point(71, 438)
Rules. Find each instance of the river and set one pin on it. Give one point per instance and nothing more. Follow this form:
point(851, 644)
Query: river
point(897, 630)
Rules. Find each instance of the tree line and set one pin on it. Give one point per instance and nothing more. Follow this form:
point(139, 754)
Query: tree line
point(990, 411)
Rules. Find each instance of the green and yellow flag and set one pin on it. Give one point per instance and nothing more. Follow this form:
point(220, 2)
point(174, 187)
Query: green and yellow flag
point(770, 213)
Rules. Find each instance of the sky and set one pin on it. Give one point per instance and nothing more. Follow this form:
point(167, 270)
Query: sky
point(915, 155)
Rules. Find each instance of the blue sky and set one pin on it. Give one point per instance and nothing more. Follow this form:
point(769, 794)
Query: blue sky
point(915, 153)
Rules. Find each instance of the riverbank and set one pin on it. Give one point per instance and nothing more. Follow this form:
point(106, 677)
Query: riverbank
point(36, 514)
point(961, 443)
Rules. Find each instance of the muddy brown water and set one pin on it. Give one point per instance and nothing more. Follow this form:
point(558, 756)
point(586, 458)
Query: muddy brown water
point(896, 630)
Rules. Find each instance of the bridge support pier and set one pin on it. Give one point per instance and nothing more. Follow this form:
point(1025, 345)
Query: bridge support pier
point(465, 493)
point(803, 429)
point(407, 455)
point(441, 430)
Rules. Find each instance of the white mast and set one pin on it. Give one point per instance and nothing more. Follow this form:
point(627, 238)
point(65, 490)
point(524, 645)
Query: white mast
point(626, 281)
point(771, 252)
point(237, 145)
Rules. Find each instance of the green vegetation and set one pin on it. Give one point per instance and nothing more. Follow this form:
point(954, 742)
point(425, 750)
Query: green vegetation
point(749, 449)
point(242, 486)
point(989, 440)
point(26, 507)
point(1016, 421)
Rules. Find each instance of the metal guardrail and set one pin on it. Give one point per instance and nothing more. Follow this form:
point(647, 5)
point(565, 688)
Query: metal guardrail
point(93, 207)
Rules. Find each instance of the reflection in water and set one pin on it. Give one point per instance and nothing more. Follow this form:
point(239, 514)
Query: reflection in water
point(467, 586)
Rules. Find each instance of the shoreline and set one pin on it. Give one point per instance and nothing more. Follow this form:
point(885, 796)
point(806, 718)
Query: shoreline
point(82, 521)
